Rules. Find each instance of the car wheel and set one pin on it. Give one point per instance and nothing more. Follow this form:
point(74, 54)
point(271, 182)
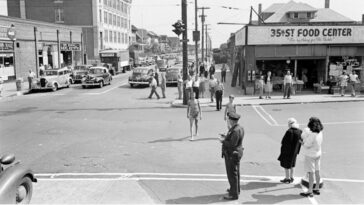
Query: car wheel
point(84, 86)
point(55, 87)
point(101, 84)
point(24, 191)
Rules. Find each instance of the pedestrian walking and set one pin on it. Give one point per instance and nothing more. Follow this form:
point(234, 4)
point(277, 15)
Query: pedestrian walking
point(223, 73)
point(304, 80)
point(156, 75)
point(232, 152)
point(229, 109)
point(287, 83)
point(194, 114)
point(202, 69)
point(153, 86)
point(31, 76)
point(163, 84)
point(353, 79)
point(311, 149)
point(260, 85)
point(212, 85)
point(196, 87)
point(343, 83)
point(212, 70)
point(290, 147)
point(268, 85)
point(202, 88)
point(219, 93)
point(189, 88)
point(179, 85)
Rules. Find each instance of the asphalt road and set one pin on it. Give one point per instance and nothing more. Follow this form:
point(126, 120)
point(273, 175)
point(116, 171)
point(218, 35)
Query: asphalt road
point(116, 135)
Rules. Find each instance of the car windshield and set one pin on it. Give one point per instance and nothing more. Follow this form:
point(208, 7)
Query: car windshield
point(51, 72)
point(140, 71)
point(96, 71)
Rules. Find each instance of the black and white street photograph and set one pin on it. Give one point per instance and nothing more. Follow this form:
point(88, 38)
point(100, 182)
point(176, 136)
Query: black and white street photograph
point(181, 102)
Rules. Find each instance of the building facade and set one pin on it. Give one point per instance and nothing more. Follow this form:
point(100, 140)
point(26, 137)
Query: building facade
point(314, 44)
point(105, 23)
point(30, 45)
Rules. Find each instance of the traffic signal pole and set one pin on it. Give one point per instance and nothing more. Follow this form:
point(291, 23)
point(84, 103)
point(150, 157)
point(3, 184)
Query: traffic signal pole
point(184, 47)
point(196, 40)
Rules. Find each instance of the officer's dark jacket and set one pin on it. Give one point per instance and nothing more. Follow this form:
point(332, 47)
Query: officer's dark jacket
point(233, 141)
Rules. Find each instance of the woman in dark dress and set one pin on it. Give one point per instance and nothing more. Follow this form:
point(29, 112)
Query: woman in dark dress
point(290, 148)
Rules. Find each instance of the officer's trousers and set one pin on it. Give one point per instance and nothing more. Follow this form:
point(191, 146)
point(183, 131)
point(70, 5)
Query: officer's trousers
point(233, 175)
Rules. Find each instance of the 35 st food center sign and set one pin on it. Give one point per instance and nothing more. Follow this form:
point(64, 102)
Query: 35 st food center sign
point(268, 35)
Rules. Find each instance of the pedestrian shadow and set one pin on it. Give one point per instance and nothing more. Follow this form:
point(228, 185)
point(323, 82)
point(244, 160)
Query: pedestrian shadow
point(170, 139)
point(272, 199)
point(206, 199)
point(258, 185)
point(205, 139)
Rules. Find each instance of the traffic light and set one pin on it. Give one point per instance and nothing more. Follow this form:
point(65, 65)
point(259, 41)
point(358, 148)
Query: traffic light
point(179, 28)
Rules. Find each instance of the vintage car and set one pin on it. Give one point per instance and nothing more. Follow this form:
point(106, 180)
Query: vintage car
point(97, 75)
point(141, 76)
point(172, 74)
point(79, 72)
point(53, 79)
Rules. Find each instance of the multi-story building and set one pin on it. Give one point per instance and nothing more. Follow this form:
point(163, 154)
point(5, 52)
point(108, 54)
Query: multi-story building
point(105, 23)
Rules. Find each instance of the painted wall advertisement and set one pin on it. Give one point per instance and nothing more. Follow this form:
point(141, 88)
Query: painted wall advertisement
point(270, 35)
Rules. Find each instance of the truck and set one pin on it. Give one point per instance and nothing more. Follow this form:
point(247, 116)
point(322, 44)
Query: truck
point(139, 57)
point(119, 59)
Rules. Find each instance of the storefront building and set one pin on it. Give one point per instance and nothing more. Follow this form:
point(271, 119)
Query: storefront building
point(36, 45)
point(313, 44)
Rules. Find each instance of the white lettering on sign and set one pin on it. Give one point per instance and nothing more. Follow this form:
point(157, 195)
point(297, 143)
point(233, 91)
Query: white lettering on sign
point(267, 35)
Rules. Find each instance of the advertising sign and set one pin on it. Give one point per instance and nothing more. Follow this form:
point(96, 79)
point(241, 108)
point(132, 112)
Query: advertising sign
point(70, 47)
point(6, 46)
point(240, 37)
point(269, 35)
point(108, 54)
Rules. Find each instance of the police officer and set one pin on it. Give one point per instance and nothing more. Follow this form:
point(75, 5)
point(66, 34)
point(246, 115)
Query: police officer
point(232, 151)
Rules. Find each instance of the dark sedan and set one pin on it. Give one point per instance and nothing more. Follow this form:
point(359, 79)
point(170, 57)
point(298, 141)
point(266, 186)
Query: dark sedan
point(79, 72)
point(99, 76)
point(172, 75)
point(140, 76)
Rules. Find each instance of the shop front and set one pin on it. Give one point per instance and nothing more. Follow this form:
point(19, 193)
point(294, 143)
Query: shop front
point(7, 71)
point(312, 53)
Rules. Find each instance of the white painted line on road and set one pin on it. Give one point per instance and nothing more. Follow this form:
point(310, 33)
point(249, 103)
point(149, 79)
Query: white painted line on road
point(261, 115)
point(108, 90)
point(270, 116)
point(119, 176)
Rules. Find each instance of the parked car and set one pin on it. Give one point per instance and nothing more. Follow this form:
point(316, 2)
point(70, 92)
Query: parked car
point(53, 79)
point(79, 72)
point(97, 75)
point(141, 76)
point(172, 74)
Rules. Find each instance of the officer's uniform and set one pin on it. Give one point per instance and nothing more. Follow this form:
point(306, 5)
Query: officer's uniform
point(232, 151)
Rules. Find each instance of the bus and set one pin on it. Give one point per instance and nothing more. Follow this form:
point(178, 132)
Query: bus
point(119, 59)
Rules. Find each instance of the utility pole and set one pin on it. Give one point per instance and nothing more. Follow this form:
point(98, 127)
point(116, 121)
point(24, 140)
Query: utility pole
point(202, 32)
point(184, 47)
point(206, 36)
point(196, 37)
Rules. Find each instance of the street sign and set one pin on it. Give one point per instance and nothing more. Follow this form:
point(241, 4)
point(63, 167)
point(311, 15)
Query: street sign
point(70, 47)
point(196, 35)
point(11, 33)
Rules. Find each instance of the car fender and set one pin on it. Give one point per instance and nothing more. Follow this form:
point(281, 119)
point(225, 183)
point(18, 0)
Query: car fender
point(9, 179)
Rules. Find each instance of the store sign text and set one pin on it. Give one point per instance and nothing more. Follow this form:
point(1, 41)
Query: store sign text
point(268, 35)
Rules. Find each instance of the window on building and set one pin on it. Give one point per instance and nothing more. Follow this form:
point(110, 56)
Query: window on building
point(110, 36)
point(125, 23)
point(119, 37)
point(105, 2)
point(100, 15)
point(122, 38)
point(114, 4)
point(118, 21)
point(109, 3)
point(126, 38)
point(115, 37)
point(110, 18)
point(106, 36)
point(295, 15)
point(118, 5)
point(105, 17)
point(122, 6)
point(309, 15)
point(59, 15)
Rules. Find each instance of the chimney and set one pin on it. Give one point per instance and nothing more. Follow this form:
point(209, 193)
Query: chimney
point(22, 9)
point(327, 4)
point(260, 14)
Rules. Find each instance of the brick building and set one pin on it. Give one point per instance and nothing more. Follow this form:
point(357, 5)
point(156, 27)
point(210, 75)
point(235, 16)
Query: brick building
point(105, 23)
point(36, 43)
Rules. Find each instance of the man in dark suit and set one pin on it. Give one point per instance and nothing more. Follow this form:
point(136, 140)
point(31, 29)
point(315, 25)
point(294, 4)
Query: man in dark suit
point(232, 151)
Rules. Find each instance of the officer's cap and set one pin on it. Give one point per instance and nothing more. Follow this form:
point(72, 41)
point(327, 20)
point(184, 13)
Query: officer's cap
point(234, 116)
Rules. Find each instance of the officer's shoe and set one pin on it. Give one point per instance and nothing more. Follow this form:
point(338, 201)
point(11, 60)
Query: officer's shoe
point(229, 197)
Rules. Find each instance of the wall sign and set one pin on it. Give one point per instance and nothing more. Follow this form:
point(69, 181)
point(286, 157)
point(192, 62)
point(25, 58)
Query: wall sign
point(269, 35)
point(70, 47)
point(6, 46)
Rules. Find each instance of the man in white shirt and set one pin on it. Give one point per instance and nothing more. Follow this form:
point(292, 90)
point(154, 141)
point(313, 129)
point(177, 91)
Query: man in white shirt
point(353, 80)
point(287, 83)
point(212, 85)
point(31, 76)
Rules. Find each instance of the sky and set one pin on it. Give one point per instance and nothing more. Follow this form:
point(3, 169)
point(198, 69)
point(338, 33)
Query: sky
point(159, 15)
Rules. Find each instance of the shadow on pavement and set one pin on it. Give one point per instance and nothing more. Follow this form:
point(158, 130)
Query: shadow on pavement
point(272, 199)
point(258, 185)
point(207, 199)
point(169, 139)
point(205, 139)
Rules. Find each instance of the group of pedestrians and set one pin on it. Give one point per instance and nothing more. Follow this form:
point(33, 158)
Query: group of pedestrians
point(351, 80)
point(154, 83)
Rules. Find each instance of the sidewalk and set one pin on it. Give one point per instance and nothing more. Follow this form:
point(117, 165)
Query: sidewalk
point(9, 89)
point(277, 97)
